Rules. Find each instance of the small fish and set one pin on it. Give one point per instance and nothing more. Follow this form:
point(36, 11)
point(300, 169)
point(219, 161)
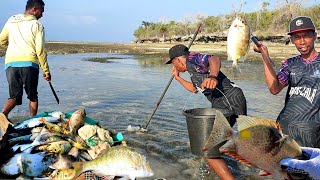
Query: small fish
point(22, 147)
point(11, 167)
point(52, 127)
point(37, 131)
point(46, 138)
point(238, 41)
point(76, 120)
point(74, 152)
point(33, 122)
point(258, 142)
point(58, 147)
point(58, 114)
point(78, 142)
point(21, 139)
point(61, 162)
point(85, 156)
point(117, 161)
point(33, 165)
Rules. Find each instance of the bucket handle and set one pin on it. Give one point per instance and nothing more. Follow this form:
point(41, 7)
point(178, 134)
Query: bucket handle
point(211, 101)
point(226, 98)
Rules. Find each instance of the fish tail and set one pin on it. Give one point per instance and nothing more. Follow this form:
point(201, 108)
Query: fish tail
point(235, 63)
point(78, 168)
point(221, 131)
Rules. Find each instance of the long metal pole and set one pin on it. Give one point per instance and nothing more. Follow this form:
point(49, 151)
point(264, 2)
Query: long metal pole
point(165, 90)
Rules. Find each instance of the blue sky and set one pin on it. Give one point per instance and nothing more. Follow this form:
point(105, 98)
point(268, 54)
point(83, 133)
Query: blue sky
point(115, 21)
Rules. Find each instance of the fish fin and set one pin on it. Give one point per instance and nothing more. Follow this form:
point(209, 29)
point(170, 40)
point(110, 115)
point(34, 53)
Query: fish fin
point(229, 146)
point(238, 158)
point(221, 131)
point(264, 173)
point(26, 148)
point(103, 176)
point(16, 151)
point(78, 168)
point(280, 129)
point(245, 122)
point(235, 63)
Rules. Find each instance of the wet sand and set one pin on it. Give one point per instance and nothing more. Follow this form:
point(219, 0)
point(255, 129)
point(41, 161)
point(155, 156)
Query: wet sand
point(278, 52)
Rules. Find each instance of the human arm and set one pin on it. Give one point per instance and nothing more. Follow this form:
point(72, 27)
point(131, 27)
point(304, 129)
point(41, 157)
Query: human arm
point(270, 76)
point(186, 84)
point(41, 52)
point(4, 37)
point(212, 81)
point(310, 167)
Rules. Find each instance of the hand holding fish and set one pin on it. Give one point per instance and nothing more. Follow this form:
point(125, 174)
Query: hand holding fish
point(310, 167)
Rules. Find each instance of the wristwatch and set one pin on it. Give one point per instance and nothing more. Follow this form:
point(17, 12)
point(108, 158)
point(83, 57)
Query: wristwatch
point(213, 77)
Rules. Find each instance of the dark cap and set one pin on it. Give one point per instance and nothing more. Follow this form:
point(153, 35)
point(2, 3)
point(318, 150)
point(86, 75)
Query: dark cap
point(176, 51)
point(301, 23)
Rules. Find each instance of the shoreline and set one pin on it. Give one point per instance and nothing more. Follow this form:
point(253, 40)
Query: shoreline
point(278, 52)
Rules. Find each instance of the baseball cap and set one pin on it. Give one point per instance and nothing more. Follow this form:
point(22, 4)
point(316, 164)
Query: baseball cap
point(301, 23)
point(176, 51)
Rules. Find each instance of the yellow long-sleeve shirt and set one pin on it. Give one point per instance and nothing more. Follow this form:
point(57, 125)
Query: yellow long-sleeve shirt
point(24, 37)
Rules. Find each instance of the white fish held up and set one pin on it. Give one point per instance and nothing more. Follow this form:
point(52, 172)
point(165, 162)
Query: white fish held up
point(238, 41)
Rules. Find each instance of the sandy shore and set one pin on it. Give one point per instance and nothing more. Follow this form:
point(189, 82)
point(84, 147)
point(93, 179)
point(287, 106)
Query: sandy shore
point(278, 52)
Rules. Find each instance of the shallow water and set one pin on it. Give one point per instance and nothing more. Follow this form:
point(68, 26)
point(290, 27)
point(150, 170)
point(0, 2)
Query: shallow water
point(126, 91)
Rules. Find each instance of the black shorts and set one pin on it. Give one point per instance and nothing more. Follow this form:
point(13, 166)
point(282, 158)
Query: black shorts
point(233, 99)
point(19, 77)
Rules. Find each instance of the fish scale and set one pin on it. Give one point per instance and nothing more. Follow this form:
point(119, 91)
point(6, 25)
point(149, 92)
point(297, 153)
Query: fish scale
point(76, 120)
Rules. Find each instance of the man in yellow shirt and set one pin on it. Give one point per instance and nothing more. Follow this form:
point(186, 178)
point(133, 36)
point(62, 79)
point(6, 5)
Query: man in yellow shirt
point(23, 35)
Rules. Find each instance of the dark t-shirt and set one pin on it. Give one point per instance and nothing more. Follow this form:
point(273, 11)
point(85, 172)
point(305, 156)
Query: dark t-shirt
point(300, 117)
point(226, 95)
point(198, 68)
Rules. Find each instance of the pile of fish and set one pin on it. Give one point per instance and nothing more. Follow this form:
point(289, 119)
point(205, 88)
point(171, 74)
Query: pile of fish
point(57, 147)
